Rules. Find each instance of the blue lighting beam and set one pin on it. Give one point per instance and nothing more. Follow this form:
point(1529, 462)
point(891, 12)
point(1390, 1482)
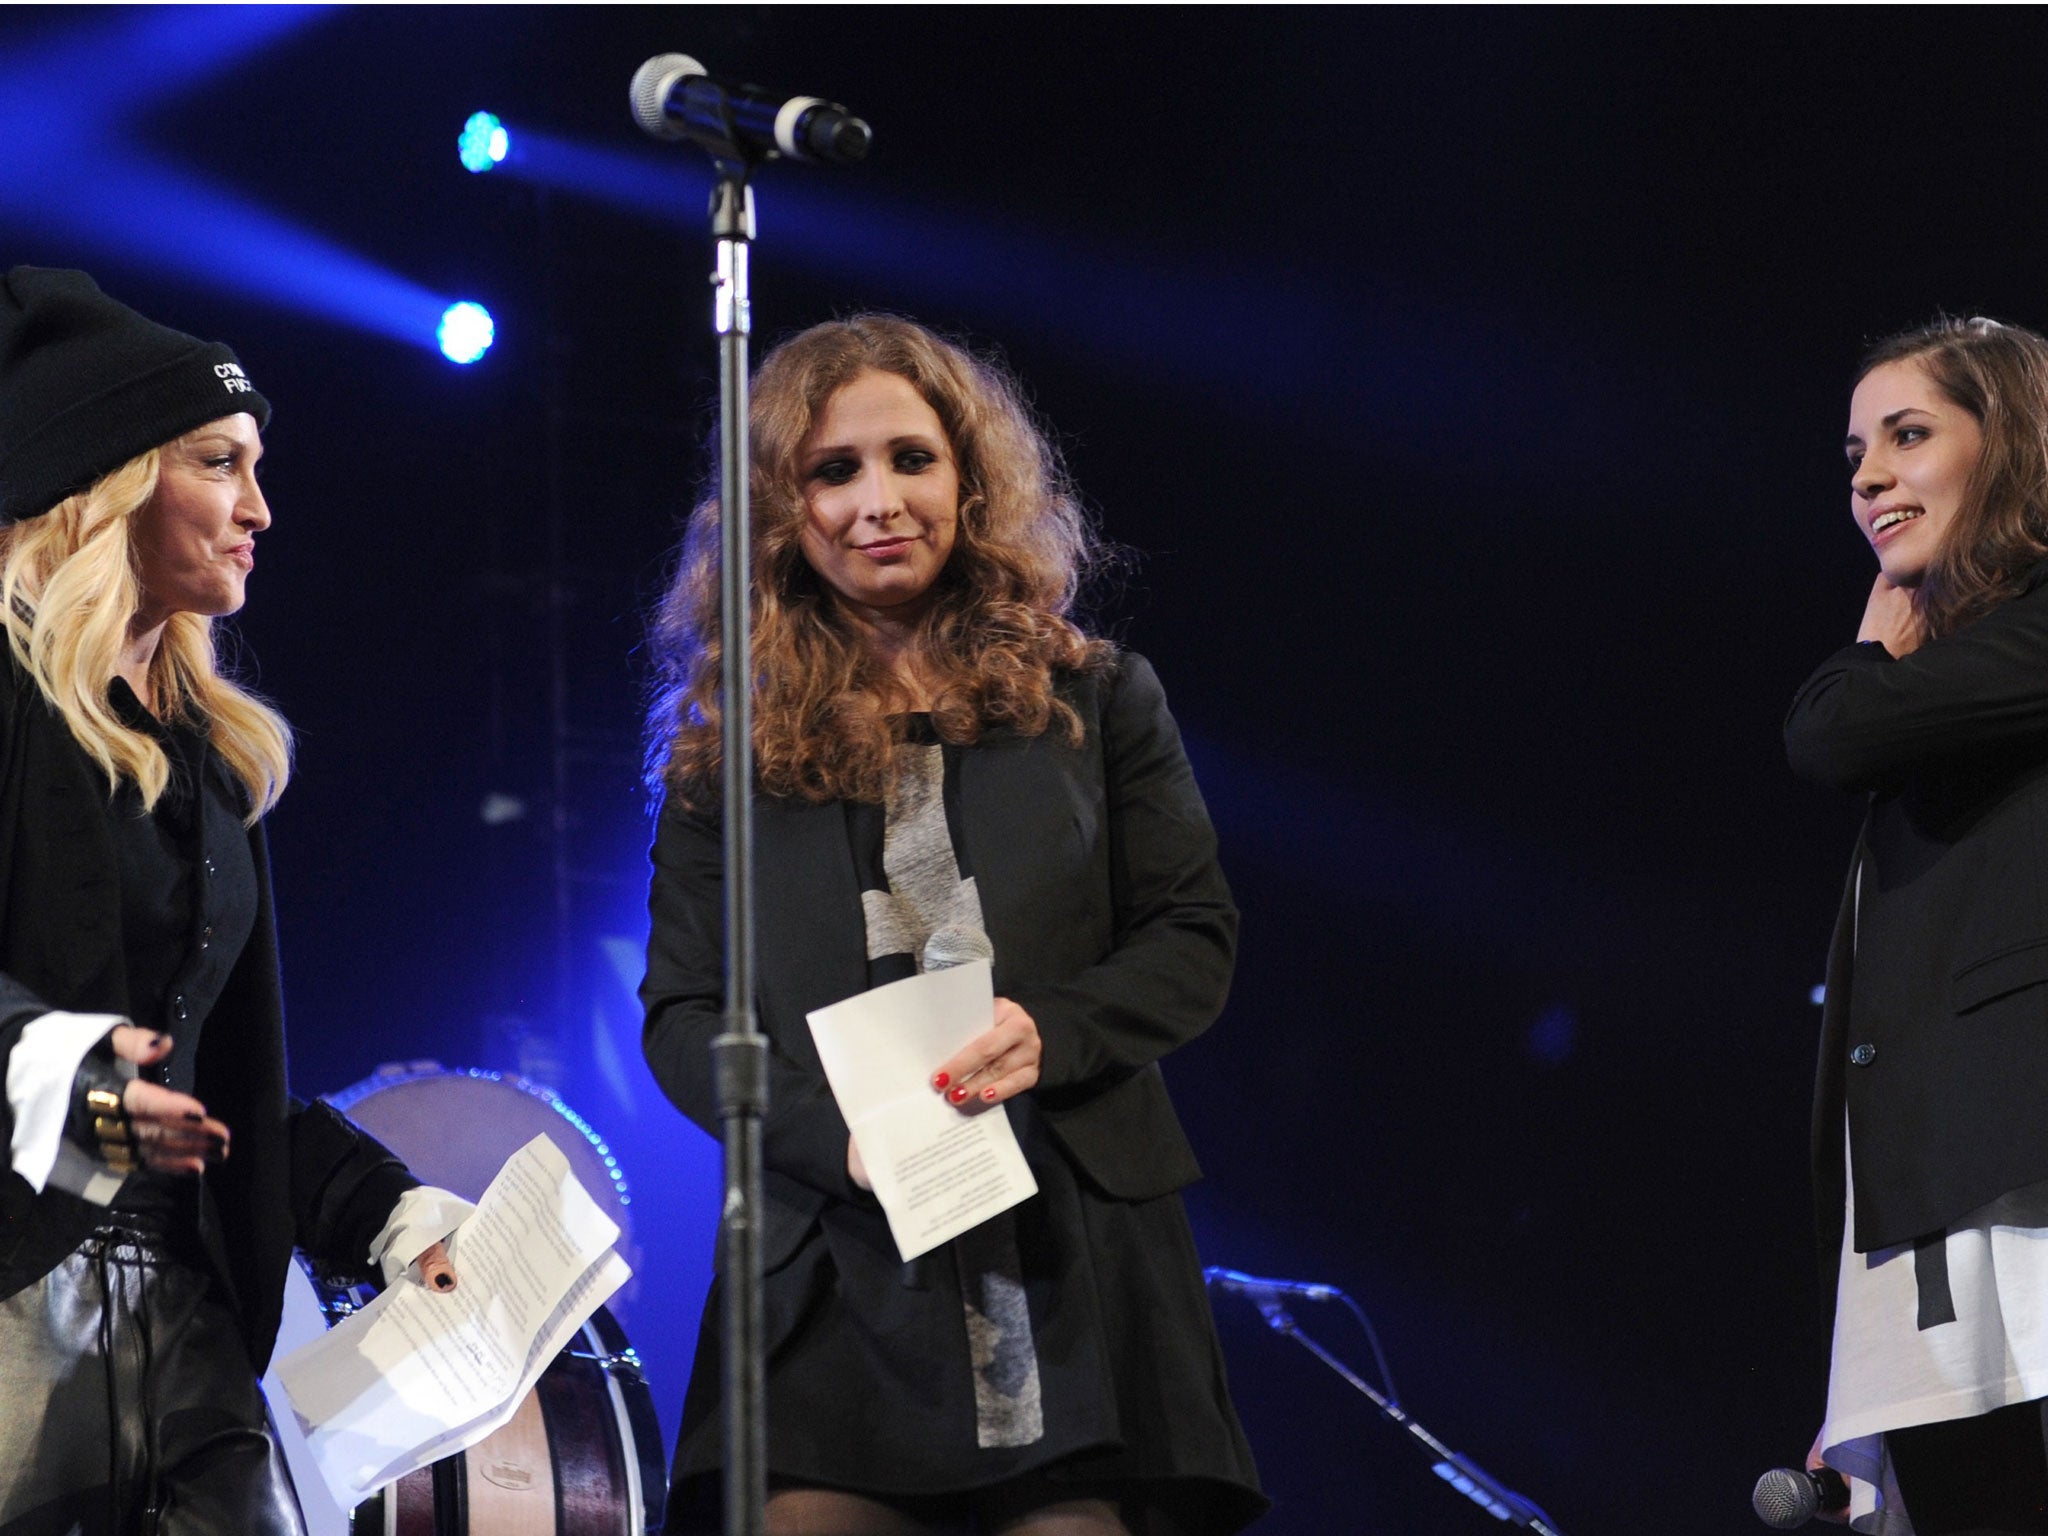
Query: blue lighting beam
point(1483, 385)
point(80, 170)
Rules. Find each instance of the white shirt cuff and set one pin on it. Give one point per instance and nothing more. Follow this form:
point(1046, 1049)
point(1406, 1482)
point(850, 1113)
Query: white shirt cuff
point(422, 1217)
point(41, 1071)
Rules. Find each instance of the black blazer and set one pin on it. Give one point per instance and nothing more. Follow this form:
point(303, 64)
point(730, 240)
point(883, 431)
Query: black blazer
point(1110, 919)
point(295, 1175)
point(1934, 1034)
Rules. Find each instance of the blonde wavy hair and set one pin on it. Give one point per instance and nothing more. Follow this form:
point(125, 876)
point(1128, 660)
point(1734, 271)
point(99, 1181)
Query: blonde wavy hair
point(828, 716)
point(69, 588)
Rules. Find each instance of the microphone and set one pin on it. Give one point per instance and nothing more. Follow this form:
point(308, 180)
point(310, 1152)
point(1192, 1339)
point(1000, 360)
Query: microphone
point(1265, 1294)
point(956, 944)
point(1256, 1286)
point(1787, 1497)
point(673, 98)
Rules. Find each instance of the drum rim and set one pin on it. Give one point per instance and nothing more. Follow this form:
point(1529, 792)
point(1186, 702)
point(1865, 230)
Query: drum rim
point(397, 1074)
point(632, 1398)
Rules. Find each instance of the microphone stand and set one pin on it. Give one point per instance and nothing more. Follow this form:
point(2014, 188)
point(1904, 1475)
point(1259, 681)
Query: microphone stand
point(739, 1055)
point(1459, 1471)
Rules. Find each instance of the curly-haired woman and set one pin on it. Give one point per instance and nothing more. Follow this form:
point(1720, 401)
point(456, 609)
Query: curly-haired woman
point(142, 1252)
point(941, 751)
point(1930, 1146)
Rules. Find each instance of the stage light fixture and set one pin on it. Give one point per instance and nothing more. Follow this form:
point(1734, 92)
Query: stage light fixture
point(466, 332)
point(484, 141)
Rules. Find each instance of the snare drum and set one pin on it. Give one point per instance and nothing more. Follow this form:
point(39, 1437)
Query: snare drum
point(582, 1455)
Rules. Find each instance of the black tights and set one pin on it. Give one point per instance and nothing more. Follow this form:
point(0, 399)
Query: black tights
point(1030, 1504)
point(1984, 1476)
point(831, 1512)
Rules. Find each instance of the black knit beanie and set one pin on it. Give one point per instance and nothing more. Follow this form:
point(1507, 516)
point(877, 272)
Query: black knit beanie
point(86, 384)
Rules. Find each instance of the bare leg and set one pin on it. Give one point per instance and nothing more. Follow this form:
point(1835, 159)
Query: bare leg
point(834, 1512)
point(1074, 1517)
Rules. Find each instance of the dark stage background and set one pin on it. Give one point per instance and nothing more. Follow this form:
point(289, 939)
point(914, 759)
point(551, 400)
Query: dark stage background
point(1467, 384)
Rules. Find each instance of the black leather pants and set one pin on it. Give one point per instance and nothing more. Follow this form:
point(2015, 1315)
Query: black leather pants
point(128, 1406)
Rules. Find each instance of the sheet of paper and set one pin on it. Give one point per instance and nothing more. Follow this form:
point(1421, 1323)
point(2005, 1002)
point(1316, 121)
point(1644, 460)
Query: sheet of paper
point(936, 1171)
point(419, 1374)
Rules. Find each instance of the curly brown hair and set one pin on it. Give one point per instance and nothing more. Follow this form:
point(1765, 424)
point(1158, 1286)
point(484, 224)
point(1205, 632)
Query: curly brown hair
point(1999, 374)
point(828, 715)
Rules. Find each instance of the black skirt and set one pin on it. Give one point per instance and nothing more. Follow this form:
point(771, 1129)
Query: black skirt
point(870, 1380)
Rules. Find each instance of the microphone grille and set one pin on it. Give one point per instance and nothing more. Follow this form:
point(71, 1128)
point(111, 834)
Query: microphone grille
point(1784, 1499)
point(648, 93)
point(956, 944)
point(849, 141)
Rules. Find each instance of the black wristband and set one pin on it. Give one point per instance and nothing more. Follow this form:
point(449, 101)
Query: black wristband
point(98, 1124)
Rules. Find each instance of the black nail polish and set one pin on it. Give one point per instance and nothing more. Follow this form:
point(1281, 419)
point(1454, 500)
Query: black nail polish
point(444, 1282)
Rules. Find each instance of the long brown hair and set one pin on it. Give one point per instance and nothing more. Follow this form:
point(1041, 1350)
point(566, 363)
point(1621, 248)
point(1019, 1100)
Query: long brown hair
point(827, 716)
point(1999, 374)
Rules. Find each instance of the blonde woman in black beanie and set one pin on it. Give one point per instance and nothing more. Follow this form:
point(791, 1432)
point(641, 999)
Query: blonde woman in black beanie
point(159, 1173)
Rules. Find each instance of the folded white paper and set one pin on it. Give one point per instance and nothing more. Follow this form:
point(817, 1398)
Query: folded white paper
point(936, 1170)
point(420, 1374)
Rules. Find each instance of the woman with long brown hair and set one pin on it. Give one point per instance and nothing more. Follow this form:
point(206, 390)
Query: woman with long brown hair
point(947, 763)
point(1930, 1145)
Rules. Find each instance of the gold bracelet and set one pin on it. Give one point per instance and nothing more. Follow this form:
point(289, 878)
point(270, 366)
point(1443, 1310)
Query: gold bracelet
point(113, 1129)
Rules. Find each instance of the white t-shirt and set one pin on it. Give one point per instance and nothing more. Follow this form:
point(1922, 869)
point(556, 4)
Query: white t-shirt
point(1888, 1372)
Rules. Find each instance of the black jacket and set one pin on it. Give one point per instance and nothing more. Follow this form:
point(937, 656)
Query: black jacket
point(1934, 1035)
point(296, 1175)
point(1110, 919)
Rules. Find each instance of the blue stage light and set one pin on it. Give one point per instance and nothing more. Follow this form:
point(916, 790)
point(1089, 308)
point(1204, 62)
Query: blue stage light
point(465, 332)
point(80, 173)
point(483, 142)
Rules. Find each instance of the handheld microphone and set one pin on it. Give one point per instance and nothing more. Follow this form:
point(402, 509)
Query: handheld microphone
point(1787, 1497)
point(673, 98)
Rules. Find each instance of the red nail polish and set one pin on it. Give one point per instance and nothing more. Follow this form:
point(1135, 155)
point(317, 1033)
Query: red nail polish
point(957, 1096)
point(988, 1095)
point(940, 1079)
